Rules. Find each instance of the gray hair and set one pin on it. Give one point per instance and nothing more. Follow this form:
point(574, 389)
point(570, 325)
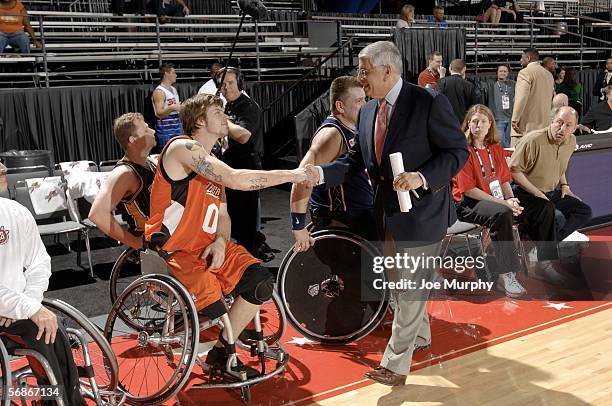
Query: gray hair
point(558, 101)
point(383, 53)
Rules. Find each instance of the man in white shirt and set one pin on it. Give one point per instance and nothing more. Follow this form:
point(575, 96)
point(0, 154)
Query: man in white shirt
point(25, 268)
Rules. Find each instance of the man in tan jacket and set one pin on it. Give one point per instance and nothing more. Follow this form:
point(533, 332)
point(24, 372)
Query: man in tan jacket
point(534, 92)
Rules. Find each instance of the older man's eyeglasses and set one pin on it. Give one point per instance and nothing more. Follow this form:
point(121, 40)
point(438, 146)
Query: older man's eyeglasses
point(362, 73)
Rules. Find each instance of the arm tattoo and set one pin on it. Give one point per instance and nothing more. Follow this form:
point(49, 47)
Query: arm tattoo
point(205, 168)
point(193, 146)
point(258, 183)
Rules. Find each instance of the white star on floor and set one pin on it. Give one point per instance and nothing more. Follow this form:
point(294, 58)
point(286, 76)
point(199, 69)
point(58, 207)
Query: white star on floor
point(299, 341)
point(558, 306)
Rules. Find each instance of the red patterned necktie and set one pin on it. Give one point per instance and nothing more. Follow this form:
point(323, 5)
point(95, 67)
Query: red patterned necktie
point(381, 129)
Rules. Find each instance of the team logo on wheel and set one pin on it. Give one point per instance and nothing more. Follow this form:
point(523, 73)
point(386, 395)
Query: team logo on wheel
point(4, 235)
point(313, 290)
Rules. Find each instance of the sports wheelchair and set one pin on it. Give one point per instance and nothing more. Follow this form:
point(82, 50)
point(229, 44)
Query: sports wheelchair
point(321, 289)
point(154, 330)
point(127, 268)
point(92, 354)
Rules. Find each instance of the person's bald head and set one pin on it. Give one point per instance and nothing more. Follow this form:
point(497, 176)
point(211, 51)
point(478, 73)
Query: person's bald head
point(563, 124)
point(560, 100)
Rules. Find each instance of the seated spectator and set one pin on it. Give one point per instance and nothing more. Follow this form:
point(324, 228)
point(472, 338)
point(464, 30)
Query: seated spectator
point(538, 167)
point(430, 76)
point(14, 23)
point(496, 11)
point(25, 268)
point(460, 93)
point(406, 18)
point(572, 88)
point(599, 117)
point(171, 8)
point(483, 196)
point(560, 100)
point(539, 9)
point(438, 17)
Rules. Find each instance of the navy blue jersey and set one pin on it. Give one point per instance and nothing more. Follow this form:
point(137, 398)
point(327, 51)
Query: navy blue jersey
point(354, 194)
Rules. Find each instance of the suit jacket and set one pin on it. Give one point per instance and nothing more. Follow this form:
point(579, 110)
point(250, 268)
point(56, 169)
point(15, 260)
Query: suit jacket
point(533, 98)
point(600, 83)
point(425, 130)
point(460, 93)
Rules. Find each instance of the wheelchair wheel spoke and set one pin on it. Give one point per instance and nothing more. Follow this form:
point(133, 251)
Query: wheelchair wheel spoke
point(153, 335)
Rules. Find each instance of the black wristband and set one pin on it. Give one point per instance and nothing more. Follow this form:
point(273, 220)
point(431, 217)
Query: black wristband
point(298, 221)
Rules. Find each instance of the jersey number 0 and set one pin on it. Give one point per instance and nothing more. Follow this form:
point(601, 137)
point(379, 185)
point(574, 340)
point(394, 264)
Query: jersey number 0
point(211, 218)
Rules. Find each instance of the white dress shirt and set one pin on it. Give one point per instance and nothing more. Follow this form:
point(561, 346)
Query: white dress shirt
point(391, 99)
point(25, 266)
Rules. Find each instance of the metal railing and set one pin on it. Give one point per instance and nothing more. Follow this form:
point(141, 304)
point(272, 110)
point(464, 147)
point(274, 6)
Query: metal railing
point(341, 63)
point(100, 40)
point(138, 51)
point(90, 6)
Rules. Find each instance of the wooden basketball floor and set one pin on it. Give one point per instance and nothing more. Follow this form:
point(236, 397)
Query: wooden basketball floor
point(566, 364)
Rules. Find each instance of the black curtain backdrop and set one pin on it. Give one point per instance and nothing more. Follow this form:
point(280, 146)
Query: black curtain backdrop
point(415, 44)
point(308, 120)
point(76, 122)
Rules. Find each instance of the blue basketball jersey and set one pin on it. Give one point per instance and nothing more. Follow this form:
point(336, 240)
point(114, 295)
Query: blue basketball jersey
point(354, 194)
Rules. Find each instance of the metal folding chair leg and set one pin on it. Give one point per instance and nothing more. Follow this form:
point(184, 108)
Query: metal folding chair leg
point(521, 249)
point(88, 247)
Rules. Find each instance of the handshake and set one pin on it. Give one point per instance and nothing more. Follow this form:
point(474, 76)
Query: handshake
point(308, 175)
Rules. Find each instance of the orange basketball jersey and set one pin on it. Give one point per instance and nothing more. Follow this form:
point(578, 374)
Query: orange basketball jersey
point(187, 210)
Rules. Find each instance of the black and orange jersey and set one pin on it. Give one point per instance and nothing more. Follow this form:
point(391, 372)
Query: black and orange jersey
point(187, 210)
point(134, 209)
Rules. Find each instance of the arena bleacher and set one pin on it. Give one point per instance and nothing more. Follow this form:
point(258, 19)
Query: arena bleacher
point(57, 106)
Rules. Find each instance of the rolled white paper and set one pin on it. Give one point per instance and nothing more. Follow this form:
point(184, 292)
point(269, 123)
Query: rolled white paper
point(397, 166)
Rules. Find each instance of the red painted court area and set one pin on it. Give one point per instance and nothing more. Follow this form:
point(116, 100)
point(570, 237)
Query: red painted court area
point(460, 325)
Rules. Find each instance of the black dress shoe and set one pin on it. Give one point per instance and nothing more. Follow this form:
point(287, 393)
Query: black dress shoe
point(386, 377)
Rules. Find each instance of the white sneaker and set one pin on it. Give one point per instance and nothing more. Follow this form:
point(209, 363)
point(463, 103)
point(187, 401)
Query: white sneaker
point(508, 284)
point(546, 272)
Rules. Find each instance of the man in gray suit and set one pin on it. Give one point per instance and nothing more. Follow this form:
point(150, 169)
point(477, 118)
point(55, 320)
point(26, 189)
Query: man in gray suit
point(535, 88)
point(421, 125)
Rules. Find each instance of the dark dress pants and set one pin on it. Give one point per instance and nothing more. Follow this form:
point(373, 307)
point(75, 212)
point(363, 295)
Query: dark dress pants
point(499, 219)
point(576, 213)
point(58, 354)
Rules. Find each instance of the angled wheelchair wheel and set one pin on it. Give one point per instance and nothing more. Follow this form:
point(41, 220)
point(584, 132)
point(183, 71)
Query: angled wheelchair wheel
point(6, 380)
point(125, 271)
point(157, 349)
point(324, 294)
point(96, 363)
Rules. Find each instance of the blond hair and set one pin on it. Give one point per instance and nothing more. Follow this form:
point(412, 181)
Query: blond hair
point(194, 109)
point(407, 13)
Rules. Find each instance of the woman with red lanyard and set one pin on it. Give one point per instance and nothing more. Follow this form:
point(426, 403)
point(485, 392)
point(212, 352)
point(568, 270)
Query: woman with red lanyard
point(483, 196)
